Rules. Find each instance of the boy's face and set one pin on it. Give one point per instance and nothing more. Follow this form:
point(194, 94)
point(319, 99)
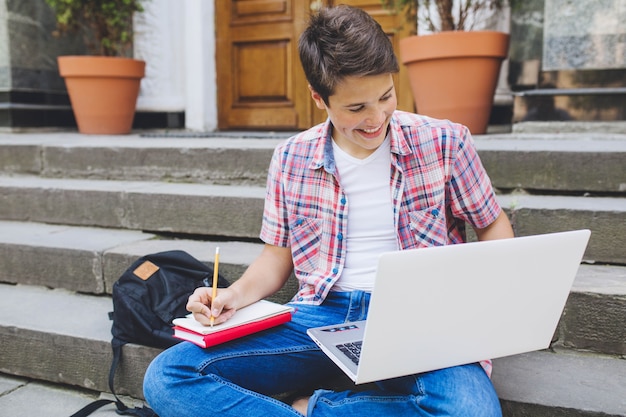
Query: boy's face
point(360, 110)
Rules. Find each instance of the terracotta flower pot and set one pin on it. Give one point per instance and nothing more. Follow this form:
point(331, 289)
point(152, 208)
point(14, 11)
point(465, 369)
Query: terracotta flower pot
point(453, 75)
point(103, 91)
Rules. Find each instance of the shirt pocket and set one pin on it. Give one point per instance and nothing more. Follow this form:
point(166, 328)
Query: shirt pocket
point(305, 239)
point(429, 226)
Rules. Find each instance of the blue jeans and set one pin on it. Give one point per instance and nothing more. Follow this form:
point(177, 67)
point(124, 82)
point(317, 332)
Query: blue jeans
point(238, 378)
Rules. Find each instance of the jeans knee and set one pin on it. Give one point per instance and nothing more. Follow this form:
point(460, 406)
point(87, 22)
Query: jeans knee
point(477, 393)
point(464, 387)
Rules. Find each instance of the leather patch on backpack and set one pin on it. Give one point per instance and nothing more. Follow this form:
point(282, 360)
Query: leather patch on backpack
point(145, 270)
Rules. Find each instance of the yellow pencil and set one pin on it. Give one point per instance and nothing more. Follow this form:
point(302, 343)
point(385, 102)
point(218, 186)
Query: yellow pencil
point(215, 278)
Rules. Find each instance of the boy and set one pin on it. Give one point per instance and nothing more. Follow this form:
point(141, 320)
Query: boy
point(369, 180)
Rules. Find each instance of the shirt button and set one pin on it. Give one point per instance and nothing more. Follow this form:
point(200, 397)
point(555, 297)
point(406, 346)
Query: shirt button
point(435, 212)
point(335, 271)
point(343, 200)
point(340, 236)
point(299, 222)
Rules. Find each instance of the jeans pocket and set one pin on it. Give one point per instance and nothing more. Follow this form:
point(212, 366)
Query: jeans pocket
point(429, 226)
point(305, 237)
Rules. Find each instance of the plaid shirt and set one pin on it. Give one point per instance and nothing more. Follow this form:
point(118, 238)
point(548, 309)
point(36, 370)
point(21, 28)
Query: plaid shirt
point(437, 183)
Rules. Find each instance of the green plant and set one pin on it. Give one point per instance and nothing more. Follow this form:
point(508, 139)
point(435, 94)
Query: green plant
point(443, 15)
point(105, 24)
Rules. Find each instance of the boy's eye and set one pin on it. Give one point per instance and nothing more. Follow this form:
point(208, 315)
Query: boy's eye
point(357, 109)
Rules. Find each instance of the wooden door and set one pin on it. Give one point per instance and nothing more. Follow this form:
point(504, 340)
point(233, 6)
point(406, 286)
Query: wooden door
point(260, 82)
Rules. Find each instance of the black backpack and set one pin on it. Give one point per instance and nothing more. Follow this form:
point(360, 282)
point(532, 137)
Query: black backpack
point(146, 298)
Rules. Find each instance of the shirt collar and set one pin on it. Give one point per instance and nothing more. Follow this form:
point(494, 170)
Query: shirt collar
point(399, 143)
point(323, 155)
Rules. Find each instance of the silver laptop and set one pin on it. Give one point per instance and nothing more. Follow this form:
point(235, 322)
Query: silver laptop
point(443, 306)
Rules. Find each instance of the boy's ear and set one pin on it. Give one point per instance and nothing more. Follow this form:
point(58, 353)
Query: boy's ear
point(319, 102)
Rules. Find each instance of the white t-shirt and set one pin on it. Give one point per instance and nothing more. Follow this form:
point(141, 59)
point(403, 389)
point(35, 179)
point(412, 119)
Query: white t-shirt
point(371, 229)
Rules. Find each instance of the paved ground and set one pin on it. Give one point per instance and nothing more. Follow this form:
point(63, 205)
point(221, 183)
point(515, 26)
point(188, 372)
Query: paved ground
point(21, 397)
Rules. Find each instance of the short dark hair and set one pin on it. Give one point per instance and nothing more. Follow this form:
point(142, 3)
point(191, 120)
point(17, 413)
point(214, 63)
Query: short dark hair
point(343, 41)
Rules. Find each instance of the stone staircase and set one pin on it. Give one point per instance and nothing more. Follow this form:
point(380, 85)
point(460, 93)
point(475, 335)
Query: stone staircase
point(76, 210)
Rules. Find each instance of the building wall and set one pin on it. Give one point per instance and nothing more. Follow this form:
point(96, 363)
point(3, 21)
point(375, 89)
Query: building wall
point(177, 41)
point(32, 94)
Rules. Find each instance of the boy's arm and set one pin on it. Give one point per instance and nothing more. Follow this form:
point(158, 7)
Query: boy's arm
point(265, 275)
point(499, 229)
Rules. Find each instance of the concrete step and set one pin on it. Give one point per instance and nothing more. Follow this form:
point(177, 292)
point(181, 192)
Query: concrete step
point(597, 128)
point(25, 397)
point(90, 260)
point(235, 211)
point(593, 318)
point(67, 335)
point(132, 157)
point(203, 209)
point(604, 216)
point(572, 162)
point(561, 384)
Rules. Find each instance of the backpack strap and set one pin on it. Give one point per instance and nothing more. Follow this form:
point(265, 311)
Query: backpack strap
point(122, 408)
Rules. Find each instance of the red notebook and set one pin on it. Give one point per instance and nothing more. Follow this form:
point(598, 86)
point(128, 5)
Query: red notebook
point(251, 319)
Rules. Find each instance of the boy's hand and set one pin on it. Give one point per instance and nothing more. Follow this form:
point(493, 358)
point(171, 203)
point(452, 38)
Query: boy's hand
point(202, 306)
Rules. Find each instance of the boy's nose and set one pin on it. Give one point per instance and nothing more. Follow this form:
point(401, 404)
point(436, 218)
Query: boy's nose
point(376, 117)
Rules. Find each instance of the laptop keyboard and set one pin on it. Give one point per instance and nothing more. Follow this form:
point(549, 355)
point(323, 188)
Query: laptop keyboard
point(352, 350)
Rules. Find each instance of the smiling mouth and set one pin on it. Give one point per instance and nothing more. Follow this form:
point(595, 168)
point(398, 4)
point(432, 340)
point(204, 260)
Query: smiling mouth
point(372, 133)
point(374, 130)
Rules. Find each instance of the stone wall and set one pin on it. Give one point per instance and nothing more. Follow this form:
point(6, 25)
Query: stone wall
point(584, 34)
point(568, 60)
